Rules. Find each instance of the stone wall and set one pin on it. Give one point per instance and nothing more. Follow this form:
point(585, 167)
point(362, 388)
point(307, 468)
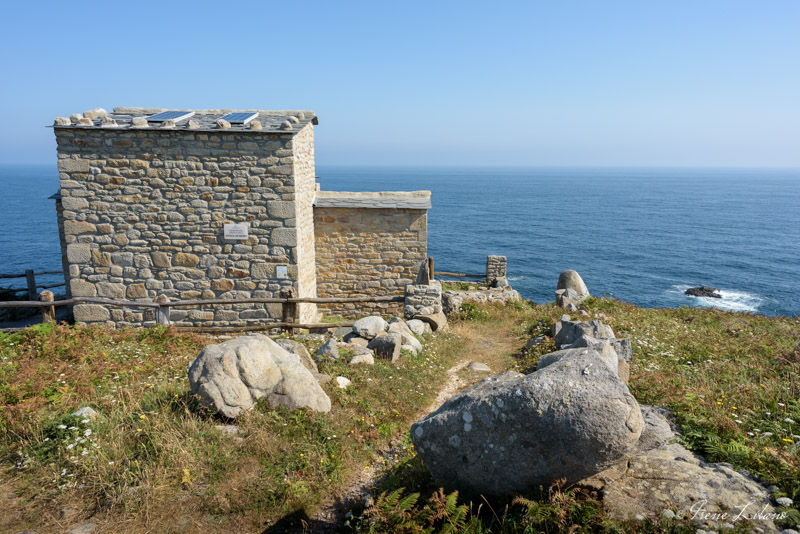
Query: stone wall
point(495, 268)
point(143, 214)
point(423, 299)
point(368, 244)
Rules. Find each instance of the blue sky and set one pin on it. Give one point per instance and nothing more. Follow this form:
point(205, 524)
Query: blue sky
point(711, 83)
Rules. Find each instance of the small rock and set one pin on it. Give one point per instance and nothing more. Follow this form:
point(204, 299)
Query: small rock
point(367, 359)
point(86, 412)
point(668, 514)
point(789, 531)
point(140, 122)
point(342, 382)
point(639, 517)
point(95, 113)
point(62, 121)
point(479, 367)
point(329, 349)
point(353, 339)
point(728, 526)
point(85, 528)
point(534, 342)
point(370, 327)
point(784, 501)
point(67, 513)
point(437, 321)
point(230, 430)
point(322, 378)
point(416, 326)
point(222, 124)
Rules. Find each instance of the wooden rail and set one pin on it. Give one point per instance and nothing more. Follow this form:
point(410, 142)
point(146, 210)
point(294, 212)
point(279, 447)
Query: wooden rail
point(460, 275)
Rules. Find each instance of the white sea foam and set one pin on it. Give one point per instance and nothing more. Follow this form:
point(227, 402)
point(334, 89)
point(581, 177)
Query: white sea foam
point(739, 301)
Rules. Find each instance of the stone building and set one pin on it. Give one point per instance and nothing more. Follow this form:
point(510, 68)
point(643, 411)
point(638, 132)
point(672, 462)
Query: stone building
point(217, 204)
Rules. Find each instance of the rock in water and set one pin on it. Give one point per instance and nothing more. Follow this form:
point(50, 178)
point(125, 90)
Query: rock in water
point(572, 280)
point(230, 376)
point(513, 432)
point(703, 291)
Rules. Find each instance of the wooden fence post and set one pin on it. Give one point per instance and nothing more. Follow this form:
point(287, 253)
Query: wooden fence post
point(288, 308)
point(162, 313)
point(430, 268)
point(31, 279)
point(49, 312)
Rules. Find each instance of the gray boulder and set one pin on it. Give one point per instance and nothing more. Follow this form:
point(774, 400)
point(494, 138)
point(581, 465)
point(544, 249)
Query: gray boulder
point(512, 433)
point(608, 356)
point(370, 327)
point(416, 326)
point(343, 331)
point(623, 348)
point(570, 331)
point(387, 346)
point(230, 376)
point(572, 280)
point(398, 326)
point(329, 349)
point(661, 474)
point(295, 347)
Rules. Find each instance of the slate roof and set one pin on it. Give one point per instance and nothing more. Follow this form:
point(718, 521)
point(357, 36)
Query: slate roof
point(415, 200)
point(272, 122)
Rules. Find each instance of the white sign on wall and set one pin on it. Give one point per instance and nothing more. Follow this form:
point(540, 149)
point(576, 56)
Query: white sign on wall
point(281, 271)
point(236, 231)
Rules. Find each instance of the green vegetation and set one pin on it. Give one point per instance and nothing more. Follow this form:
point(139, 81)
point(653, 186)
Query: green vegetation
point(730, 379)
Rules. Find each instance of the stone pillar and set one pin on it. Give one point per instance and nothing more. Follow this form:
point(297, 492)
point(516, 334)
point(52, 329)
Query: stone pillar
point(496, 271)
point(423, 299)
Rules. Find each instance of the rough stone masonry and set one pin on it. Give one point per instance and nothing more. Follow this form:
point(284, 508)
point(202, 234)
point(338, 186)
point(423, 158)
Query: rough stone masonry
point(144, 205)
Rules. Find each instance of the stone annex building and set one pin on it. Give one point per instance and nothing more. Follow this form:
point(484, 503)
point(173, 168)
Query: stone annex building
point(221, 204)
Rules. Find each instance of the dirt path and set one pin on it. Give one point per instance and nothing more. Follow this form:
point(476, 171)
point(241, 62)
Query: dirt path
point(490, 345)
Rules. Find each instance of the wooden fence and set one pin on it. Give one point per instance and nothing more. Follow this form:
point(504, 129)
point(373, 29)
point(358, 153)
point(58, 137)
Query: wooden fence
point(163, 304)
point(30, 278)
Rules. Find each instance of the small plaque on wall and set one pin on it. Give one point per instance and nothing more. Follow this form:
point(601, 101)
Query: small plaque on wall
point(281, 271)
point(236, 231)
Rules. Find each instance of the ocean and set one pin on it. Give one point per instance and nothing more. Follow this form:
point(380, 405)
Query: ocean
point(642, 235)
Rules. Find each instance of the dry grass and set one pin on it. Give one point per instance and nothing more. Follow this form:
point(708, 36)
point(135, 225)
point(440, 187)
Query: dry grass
point(157, 461)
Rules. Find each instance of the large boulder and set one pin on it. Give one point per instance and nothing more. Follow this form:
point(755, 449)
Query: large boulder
point(230, 376)
point(660, 474)
point(370, 327)
point(572, 280)
point(512, 432)
point(295, 347)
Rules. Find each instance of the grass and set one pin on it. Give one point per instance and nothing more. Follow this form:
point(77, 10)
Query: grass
point(729, 378)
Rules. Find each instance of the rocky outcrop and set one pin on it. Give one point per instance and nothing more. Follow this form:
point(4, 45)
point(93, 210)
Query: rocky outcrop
point(703, 291)
point(231, 376)
point(513, 432)
point(662, 475)
point(572, 280)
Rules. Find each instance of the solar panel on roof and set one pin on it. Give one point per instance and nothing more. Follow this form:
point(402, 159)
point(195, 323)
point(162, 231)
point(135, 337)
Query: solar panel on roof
point(170, 115)
point(240, 117)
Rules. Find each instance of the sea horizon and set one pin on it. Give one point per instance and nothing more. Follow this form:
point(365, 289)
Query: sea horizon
point(678, 227)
